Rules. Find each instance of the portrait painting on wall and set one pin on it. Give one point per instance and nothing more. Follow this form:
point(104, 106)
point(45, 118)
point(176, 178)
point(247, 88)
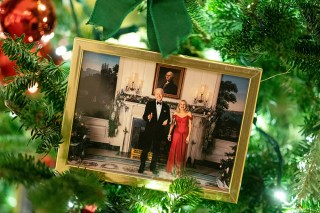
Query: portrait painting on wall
point(170, 79)
point(106, 123)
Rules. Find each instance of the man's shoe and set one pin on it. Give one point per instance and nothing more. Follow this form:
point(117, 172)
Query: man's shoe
point(154, 171)
point(141, 169)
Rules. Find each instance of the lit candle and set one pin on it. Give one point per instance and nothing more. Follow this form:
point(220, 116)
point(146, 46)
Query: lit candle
point(196, 94)
point(135, 77)
point(207, 97)
point(202, 89)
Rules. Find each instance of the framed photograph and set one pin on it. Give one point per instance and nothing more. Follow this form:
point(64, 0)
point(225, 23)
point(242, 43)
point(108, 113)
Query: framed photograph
point(170, 79)
point(106, 123)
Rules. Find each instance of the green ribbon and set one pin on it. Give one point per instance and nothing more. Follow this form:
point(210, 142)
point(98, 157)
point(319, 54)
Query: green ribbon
point(168, 22)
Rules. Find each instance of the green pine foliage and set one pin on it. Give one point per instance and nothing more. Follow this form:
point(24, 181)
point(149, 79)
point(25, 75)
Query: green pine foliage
point(117, 198)
point(42, 114)
point(184, 195)
point(145, 200)
point(23, 169)
point(6, 191)
point(69, 191)
point(282, 38)
point(12, 138)
point(308, 182)
point(52, 78)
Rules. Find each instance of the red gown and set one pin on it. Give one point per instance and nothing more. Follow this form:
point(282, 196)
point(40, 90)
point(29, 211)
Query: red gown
point(178, 150)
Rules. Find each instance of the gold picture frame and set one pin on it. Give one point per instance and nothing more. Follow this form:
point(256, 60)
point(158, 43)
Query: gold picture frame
point(170, 79)
point(102, 127)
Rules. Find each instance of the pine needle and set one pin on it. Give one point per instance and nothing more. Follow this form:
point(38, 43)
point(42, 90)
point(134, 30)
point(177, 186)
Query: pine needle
point(23, 169)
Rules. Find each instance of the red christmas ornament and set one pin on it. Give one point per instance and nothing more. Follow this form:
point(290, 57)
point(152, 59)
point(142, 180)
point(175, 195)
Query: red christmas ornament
point(89, 209)
point(49, 161)
point(6, 67)
point(34, 18)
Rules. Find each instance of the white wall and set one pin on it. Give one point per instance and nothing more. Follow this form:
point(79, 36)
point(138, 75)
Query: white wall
point(145, 73)
point(143, 70)
point(195, 78)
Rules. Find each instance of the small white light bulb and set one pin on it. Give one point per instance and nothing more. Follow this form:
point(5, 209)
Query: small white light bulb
point(34, 88)
point(280, 195)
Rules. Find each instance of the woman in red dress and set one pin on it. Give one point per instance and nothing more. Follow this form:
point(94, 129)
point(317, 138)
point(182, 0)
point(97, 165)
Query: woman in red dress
point(181, 123)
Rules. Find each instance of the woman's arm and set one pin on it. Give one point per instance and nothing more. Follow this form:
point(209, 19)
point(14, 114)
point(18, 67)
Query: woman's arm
point(190, 127)
point(173, 120)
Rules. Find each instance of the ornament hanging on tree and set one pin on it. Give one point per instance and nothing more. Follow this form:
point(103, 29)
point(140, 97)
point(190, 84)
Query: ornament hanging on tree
point(34, 18)
point(6, 66)
point(89, 209)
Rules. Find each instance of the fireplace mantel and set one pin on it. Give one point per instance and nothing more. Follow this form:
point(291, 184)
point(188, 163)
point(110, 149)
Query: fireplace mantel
point(136, 110)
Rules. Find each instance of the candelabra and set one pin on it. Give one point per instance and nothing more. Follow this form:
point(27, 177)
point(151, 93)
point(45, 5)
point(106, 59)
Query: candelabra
point(201, 96)
point(132, 85)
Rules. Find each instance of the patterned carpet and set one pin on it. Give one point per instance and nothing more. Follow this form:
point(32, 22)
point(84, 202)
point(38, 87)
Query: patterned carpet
point(129, 166)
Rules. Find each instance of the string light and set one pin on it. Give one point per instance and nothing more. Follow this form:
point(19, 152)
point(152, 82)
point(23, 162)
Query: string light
point(261, 121)
point(310, 139)
point(212, 54)
point(280, 195)
point(47, 38)
point(302, 165)
point(61, 50)
point(12, 115)
point(12, 201)
point(67, 56)
point(155, 185)
point(34, 88)
point(42, 7)
point(70, 204)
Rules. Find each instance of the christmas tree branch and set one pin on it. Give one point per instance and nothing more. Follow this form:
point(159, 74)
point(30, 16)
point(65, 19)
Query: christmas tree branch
point(23, 169)
point(143, 200)
point(68, 192)
point(183, 191)
point(199, 19)
point(33, 68)
point(80, 187)
point(309, 175)
point(42, 113)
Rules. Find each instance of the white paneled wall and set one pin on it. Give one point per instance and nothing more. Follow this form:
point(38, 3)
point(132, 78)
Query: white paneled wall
point(195, 79)
point(144, 72)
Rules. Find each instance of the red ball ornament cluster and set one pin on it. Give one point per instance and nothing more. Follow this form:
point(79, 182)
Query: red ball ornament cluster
point(34, 18)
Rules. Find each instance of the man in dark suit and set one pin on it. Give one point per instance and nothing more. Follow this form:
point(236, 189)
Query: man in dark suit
point(157, 116)
point(168, 85)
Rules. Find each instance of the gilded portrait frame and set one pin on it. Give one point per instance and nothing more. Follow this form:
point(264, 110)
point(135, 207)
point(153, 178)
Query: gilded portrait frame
point(107, 116)
point(160, 79)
